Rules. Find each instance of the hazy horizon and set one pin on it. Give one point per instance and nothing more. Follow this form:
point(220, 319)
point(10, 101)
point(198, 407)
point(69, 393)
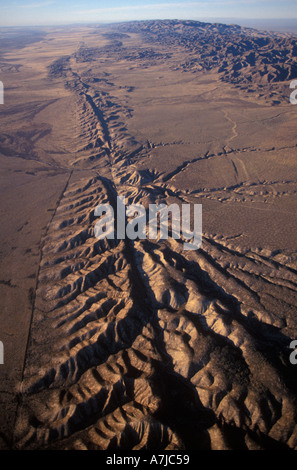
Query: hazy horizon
point(288, 25)
point(51, 13)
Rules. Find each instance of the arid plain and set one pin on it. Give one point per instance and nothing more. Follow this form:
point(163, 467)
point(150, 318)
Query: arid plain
point(139, 344)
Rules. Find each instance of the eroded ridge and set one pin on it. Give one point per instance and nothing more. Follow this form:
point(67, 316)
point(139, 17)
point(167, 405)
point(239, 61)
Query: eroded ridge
point(130, 342)
point(139, 344)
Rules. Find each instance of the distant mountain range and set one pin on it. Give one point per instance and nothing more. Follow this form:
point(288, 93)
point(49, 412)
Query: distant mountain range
point(242, 55)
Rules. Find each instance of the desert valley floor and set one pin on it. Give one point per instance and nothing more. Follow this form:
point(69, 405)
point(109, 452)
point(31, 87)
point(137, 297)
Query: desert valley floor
point(122, 344)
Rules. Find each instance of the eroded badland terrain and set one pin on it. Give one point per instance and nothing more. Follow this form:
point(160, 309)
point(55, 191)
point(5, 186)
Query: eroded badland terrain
point(121, 344)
